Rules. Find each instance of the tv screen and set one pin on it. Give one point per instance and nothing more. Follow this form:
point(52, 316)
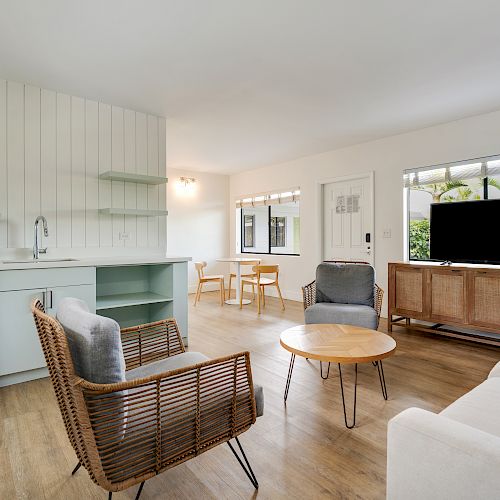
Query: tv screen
point(466, 231)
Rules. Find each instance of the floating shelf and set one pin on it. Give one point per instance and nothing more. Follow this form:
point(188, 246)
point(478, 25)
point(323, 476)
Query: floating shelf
point(113, 175)
point(129, 299)
point(133, 211)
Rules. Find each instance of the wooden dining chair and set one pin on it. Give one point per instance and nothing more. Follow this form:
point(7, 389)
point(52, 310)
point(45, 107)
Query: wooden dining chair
point(262, 282)
point(244, 275)
point(213, 278)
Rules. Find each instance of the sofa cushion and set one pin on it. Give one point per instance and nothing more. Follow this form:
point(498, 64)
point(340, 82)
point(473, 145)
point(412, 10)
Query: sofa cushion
point(94, 342)
point(345, 283)
point(495, 371)
point(479, 408)
point(343, 314)
point(181, 361)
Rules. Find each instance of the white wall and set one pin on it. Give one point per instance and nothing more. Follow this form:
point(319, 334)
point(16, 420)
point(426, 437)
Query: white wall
point(462, 139)
point(198, 221)
point(52, 149)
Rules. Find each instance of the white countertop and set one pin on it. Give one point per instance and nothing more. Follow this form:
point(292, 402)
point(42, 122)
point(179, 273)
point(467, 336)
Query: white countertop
point(90, 262)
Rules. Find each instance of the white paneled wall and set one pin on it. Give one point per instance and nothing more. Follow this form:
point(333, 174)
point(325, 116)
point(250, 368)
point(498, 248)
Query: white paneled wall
point(52, 149)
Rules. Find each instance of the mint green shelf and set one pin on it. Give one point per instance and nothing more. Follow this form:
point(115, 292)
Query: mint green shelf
point(113, 175)
point(134, 295)
point(129, 299)
point(133, 211)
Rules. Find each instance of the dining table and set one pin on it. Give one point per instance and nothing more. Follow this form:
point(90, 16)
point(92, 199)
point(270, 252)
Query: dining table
point(237, 261)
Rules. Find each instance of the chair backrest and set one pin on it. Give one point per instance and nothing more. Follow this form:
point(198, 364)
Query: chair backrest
point(200, 268)
point(68, 393)
point(251, 263)
point(266, 269)
point(345, 283)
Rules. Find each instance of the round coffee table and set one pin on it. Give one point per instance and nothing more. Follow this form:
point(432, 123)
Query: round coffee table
point(341, 344)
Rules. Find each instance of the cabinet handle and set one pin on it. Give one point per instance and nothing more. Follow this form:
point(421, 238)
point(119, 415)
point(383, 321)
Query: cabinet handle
point(44, 300)
point(50, 297)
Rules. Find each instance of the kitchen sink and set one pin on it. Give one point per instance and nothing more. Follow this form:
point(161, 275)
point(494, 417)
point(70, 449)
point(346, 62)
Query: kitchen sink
point(33, 261)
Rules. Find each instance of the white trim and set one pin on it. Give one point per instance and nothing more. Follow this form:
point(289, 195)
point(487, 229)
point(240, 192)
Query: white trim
point(370, 175)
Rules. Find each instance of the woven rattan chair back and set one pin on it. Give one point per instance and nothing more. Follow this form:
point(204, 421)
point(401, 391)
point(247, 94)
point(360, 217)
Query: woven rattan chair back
point(69, 395)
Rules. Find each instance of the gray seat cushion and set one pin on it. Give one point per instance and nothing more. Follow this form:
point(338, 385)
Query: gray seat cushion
point(343, 314)
point(181, 361)
point(345, 283)
point(94, 342)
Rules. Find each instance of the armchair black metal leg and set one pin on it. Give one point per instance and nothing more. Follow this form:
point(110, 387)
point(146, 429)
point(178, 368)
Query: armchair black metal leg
point(110, 495)
point(321, 368)
point(139, 491)
point(289, 378)
point(76, 468)
point(381, 377)
point(343, 398)
point(248, 469)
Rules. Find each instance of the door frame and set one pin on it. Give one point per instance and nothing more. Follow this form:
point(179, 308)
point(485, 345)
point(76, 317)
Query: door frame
point(320, 183)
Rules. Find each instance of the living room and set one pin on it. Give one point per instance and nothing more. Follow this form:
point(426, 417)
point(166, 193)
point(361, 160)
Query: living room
point(271, 225)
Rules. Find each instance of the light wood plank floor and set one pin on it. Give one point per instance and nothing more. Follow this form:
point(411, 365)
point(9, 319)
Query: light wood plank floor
point(302, 450)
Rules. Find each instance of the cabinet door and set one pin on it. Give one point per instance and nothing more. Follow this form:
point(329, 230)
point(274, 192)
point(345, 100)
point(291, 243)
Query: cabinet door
point(449, 295)
point(484, 293)
point(409, 286)
point(20, 348)
point(82, 292)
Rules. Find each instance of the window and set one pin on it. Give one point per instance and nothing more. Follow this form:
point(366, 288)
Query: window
point(270, 223)
point(278, 232)
point(461, 181)
point(249, 230)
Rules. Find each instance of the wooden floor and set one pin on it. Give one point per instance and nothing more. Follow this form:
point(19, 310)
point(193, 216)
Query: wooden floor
point(302, 450)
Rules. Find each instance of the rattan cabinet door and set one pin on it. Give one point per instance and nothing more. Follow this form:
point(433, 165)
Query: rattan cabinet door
point(449, 295)
point(409, 287)
point(484, 292)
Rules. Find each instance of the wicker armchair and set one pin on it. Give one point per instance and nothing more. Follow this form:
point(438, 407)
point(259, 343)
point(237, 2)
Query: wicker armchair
point(128, 432)
point(309, 297)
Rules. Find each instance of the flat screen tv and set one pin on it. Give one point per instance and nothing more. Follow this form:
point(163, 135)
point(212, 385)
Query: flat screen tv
point(466, 231)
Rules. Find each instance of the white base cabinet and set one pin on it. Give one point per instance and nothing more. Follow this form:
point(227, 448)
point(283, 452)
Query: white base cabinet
point(130, 293)
point(20, 350)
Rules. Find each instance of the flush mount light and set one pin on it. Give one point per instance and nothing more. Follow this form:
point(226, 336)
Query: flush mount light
point(187, 181)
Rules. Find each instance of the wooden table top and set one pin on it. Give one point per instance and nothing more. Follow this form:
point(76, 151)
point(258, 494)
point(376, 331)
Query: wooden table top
point(337, 343)
point(237, 259)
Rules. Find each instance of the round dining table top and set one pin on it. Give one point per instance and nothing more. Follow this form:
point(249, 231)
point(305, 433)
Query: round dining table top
point(337, 343)
point(237, 259)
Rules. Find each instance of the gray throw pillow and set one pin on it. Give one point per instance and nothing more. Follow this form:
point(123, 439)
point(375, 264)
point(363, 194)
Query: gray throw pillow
point(94, 342)
point(345, 283)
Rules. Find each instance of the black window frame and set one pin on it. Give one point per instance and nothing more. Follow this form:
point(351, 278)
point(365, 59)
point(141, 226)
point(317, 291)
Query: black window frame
point(269, 252)
point(245, 228)
point(274, 231)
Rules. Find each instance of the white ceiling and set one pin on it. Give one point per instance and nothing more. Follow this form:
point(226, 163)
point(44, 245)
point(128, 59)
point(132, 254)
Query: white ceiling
point(246, 83)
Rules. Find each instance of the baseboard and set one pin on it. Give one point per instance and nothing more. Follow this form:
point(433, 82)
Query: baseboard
point(270, 291)
point(20, 377)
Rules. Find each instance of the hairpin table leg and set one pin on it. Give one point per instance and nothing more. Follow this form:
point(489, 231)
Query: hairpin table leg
point(289, 378)
point(343, 398)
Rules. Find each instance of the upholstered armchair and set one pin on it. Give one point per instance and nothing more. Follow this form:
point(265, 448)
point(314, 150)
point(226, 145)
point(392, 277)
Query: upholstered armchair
point(134, 403)
point(343, 293)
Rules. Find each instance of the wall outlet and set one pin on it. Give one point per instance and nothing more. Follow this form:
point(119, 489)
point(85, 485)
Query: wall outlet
point(386, 233)
point(124, 236)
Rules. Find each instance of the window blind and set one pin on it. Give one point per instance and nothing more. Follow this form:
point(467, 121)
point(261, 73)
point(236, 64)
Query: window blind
point(271, 198)
point(450, 172)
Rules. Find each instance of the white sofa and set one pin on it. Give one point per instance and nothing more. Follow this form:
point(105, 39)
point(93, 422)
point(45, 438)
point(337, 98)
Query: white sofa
point(451, 455)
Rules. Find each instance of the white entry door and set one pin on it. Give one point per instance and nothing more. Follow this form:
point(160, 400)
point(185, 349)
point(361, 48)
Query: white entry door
point(348, 220)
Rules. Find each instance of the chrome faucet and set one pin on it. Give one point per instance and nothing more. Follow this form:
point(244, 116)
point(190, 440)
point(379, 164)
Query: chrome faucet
point(36, 250)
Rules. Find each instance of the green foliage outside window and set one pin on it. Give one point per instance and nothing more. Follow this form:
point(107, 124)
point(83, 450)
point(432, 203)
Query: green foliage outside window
point(419, 239)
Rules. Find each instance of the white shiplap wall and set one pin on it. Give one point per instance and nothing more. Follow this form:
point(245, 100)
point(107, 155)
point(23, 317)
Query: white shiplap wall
point(53, 147)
